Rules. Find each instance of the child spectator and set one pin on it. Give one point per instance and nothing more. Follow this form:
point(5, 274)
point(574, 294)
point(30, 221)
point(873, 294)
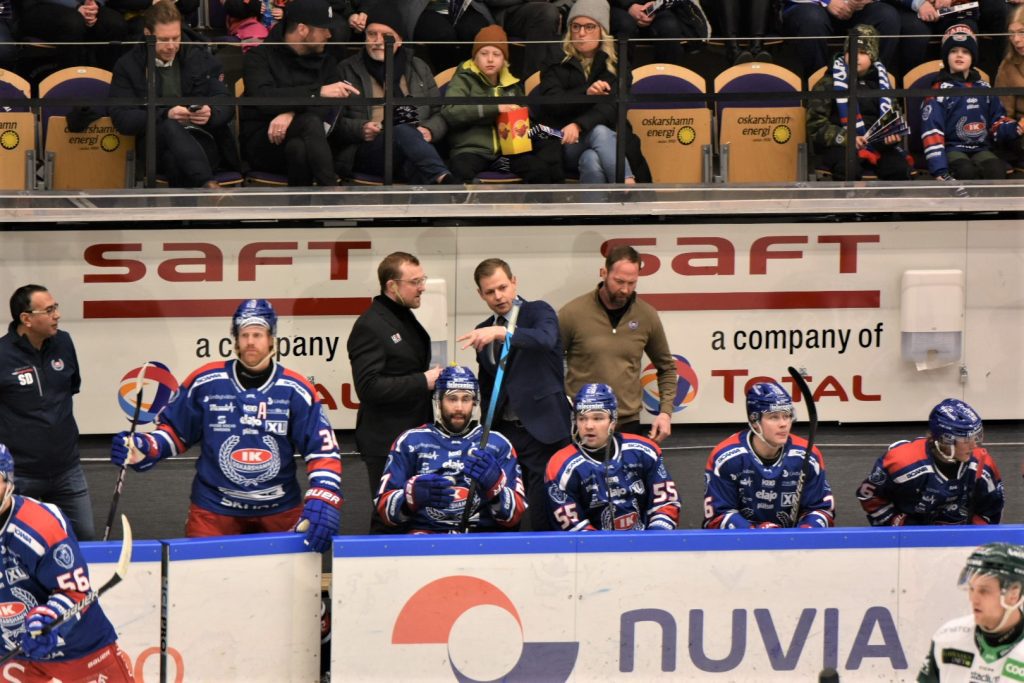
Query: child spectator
point(472, 135)
point(957, 131)
point(827, 118)
point(1011, 75)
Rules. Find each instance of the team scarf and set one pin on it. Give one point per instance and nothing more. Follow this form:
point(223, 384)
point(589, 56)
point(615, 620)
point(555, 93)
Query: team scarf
point(840, 78)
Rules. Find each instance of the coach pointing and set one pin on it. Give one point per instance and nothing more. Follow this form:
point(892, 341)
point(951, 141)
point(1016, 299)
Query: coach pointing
point(606, 333)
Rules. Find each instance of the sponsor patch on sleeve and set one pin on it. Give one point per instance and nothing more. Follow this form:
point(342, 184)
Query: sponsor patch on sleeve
point(957, 657)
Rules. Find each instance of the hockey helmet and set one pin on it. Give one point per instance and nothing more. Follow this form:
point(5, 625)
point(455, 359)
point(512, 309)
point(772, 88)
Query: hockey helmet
point(1004, 561)
point(768, 397)
point(456, 378)
point(6, 463)
point(596, 397)
point(952, 420)
point(254, 312)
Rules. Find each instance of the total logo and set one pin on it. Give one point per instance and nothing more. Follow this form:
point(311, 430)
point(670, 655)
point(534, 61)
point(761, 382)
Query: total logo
point(158, 389)
point(482, 631)
point(686, 386)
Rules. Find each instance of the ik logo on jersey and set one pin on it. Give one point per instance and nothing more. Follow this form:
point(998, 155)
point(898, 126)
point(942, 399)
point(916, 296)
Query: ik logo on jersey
point(430, 615)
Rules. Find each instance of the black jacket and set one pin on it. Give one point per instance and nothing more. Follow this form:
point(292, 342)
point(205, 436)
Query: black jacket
point(36, 419)
point(567, 78)
point(278, 71)
point(201, 76)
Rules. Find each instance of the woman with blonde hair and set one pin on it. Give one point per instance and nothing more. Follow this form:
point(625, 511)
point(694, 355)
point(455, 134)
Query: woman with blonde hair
point(588, 129)
point(1011, 75)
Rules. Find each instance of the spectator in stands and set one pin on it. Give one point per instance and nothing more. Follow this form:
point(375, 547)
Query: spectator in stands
point(8, 22)
point(827, 118)
point(673, 20)
point(588, 130)
point(536, 23)
point(958, 132)
point(133, 11)
point(251, 20)
point(292, 138)
point(920, 19)
point(191, 141)
point(473, 135)
point(755, 15)
point(71, 21)
point(811, 19)
point(416, 128)
point(1011, 75)
point(435, 23)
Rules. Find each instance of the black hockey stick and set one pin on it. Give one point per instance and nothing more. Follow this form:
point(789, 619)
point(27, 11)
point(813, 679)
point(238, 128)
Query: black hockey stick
point(112, 515)
point(119, 573)
point(812, 428)
point(499, 376)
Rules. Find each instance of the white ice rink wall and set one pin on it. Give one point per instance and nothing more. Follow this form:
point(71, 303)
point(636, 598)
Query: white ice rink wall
point(740, 300)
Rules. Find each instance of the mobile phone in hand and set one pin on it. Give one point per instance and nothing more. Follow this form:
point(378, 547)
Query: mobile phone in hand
point(194, 107)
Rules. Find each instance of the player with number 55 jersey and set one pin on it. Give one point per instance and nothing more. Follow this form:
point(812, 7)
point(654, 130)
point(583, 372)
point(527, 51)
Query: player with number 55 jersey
point(250, 417)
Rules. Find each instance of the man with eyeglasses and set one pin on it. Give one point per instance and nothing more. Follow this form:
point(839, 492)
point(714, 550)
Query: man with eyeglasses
point(39, 375)
point(390, 355)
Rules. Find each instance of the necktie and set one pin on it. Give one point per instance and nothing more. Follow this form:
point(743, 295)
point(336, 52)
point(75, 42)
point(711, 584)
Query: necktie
point(498, 343)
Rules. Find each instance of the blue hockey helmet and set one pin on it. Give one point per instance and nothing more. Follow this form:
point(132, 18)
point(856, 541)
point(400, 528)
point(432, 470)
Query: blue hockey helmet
point(456, 378)
point(254, 312)
point(952, 419)
point(768, 397)
point(6, 463)
point(596, 397)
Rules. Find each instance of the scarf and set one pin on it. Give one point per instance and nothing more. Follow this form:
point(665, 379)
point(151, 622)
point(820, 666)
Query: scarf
point(840, 79)
point(376, 69)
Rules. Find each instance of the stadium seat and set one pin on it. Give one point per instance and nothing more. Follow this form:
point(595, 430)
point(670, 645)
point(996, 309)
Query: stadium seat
point(17, 134)
point(675, 136)
point(97, 157)
point(761, 140)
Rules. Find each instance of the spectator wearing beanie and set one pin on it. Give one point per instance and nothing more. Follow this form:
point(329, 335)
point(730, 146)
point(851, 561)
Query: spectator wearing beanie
point(960, 126)
point(588, 130)
point(415, 128)
point(826, 117)
point(473, 136)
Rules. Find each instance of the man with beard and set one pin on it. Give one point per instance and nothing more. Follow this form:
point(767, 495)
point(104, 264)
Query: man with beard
point(431, 469)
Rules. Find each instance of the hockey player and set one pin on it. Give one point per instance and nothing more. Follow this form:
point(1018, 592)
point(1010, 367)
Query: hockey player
point(251, 415)
point(608, 481)
point(986, 645)
point(45, 576)
point(430, 469)
point(943, 478)
point(751, 478)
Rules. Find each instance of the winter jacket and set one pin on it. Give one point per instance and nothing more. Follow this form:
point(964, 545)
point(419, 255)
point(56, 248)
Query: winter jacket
point(1011, 75)
point(823, 125)
point(472, 128)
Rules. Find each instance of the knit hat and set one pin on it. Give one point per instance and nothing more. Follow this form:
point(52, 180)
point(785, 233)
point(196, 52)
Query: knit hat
point(387, 12)
point(595, 9)
point(316, 13)
point(867, 41)
point(494, 36)
point(959, 35)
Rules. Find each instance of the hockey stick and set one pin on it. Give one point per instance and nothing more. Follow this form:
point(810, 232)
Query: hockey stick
point(140, 382)
point(812, 428)
point(119, 573)
point(499, 376)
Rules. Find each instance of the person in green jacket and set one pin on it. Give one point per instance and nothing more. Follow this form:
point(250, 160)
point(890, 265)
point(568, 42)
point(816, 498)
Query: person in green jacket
point(472, 129)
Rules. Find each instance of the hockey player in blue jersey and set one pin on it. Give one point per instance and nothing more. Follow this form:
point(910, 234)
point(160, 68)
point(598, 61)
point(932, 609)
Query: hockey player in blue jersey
point(250, 417)
point(750, 479)
point(943, 478)
point(430, 469)
point(45, 576)
point(608, 481)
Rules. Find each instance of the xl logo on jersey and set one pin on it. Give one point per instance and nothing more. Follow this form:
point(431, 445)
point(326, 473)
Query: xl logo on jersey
point(428, 618)
point(788, 499)
point(279, 427)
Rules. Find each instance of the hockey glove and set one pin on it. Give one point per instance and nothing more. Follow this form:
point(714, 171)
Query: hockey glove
point(428, 490)
point(766, 525)
point(899, 519)
point(321, 517)
point(140, 451)
point(481, 465)
point(660, 523)
point(35, 643)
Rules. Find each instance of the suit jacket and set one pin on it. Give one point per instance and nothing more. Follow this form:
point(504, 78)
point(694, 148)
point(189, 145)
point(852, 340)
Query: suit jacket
point(388, 357)
point(534, 383)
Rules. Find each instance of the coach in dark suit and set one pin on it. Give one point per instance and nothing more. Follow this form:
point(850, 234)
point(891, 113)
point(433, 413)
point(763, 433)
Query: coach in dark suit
point(532, 410)
point(390, 355)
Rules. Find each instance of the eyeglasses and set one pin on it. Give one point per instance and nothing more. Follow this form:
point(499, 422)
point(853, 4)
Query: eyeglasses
point(417, 282)
point(49, 310)
point(582, 28)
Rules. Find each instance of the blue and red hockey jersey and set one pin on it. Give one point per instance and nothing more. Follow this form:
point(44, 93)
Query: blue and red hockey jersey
point(741, 490)
point(906, 487)
point(249, 438)
point(430, 450)
point(43, 564)
point(632, 490)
